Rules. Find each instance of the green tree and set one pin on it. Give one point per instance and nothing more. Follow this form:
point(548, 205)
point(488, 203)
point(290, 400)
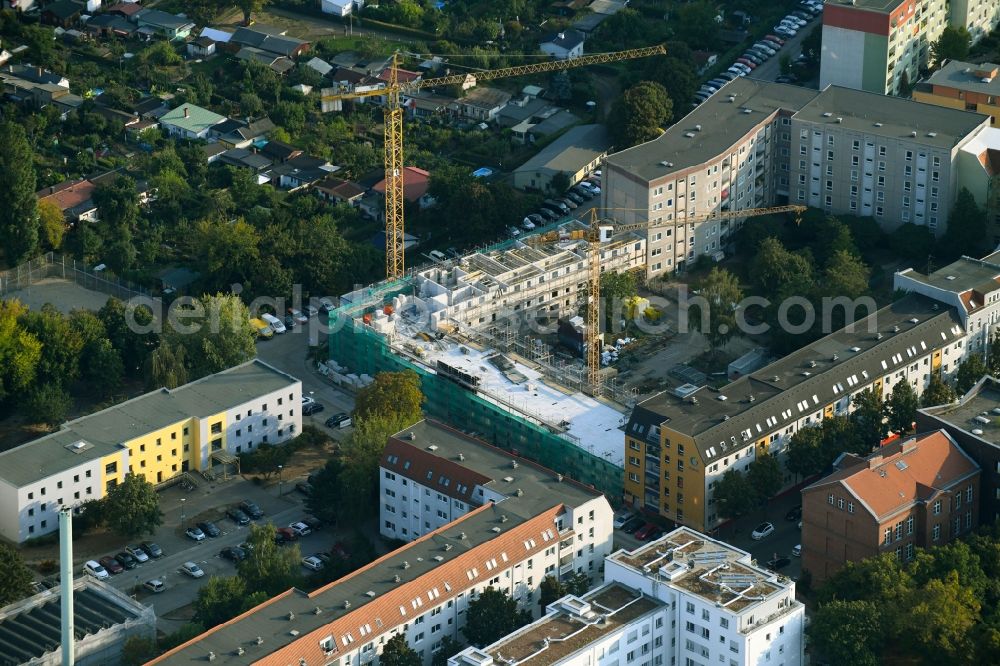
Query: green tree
point(223, 598)
point(765, 476)
point(640, 114)
point(227, 251)
point(912, 242)
point(395, 395)
point(953, 44)
point(166, 367)
point(842, 435)
point(845, 275)
point(883, 578)
point(551, 589)
point(61, 345)
point(492, 615)
point(48, 404)
point(250, 7)
point(993, 356)
point(449, 648)
point(560, 182)
point(939, 617)
point(397, 653)
point(778, 272)
point(20, 351)
point(937, 392)
point(361, 454)
point(901, 407)
point(970, 371)
point(868, 419)
point(615, 287)
point(326, 500)
point(117, 203)
point(137, 650)
point(15, 583)
point(966, 227)
point(848, 632)
point(52, 223)
point(266, 460)
point(122, 326)
point(696, 23)
point(132, 507)
point(269, 568)
point(734, 494)
point(19, 225)
point(804, 455)
point(218, 337)
point(722, 292)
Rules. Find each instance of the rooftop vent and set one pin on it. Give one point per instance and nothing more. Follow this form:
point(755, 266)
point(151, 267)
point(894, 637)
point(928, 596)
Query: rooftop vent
point(664, 163)
point(293, 632)
point(879, 336)
point(411, 436)
point(689, 135)
point(508, 479)
point(397, 579)
point(347, 604)
point(519, 492)
point(932, 134)
point(461, 536)
point(855, 349)
point(807, 374)
point(503, 518)
point(834, 358)
point(751, 398)
point(317, 611)
point(559, 478)
point(211, 655)
point(448, 546)
point(438, 558)
point(694, 400)
point(259, 641)
point(732, 98)
point(775, 378)
point(406, 565)
point(495, 529)
point(747, 110)
point(722, 397)
point(827, 114)
point(914, 321)
point(913, 133)
point(812, 364)
point(513, 464)
point(895, 329)
point(878, 124)
point(461, 456)
point(725, 417)
point(291, 616)
point(432, 447)
point(697, 128)
point(839, 120)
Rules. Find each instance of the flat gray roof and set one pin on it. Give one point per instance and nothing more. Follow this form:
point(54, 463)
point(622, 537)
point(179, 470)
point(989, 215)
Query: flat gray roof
point(365, 590)
point(981, 400)
point(962, 76)
point(818, 374)
point(961, 275)
point(881, 6)
point(722, 123)
point(572, 151)
point(897, 118)
point(107, 430)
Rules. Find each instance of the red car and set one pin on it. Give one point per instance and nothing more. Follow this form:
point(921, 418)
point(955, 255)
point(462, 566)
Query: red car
point(645, 531)
point(111, 564)
point(776, 40)
point(749, 63)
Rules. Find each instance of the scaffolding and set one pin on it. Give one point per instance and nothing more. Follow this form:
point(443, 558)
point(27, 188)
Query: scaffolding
point(490, 417)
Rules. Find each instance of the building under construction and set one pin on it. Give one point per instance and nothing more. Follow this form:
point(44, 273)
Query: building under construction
point(452, 325)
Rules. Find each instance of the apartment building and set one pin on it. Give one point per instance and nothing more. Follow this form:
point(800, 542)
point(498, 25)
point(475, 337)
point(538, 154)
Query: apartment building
point(963, 85)
point(480, 288)
point(915, 493)
point(973, 423)
point(679, 444)
point(520, 530)
point(158, 435)
point(755, 144)
point(979, 172)
point(970, 286)
point(865, 154)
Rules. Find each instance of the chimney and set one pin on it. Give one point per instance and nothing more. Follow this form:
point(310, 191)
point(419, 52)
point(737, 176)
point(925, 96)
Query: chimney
point(66, 584)
point(909, 445)
point(562, 35)
point(186, 115)
point(39, 70)
point(875, 461)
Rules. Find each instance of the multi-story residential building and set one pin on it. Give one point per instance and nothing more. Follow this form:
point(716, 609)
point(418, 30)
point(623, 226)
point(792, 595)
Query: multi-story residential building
point(527, 525)
point(679, 444)
point(756, 144)
point(683, 599)
point(970, 286)
point(963, 85)
point(914, 493)
point(973, 422)
point(979, 172)
point(601, 628)
point(158, 435)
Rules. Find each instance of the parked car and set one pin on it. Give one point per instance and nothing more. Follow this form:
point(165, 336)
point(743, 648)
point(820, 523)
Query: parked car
point(574, 197)
point(195, 533)
point(152, 549)
point(549, 215)
point(752, 57)
point(276, 325)
point(92, 568)
point(771, 44)
point(620, 519)
point(785, 31)
point(312, 408)
point(339, 420)
point(728, 76)
point(645, 531)
point(233, 553)
point(155, 585)
point(527, 224)
point(569, 203)
point(311, 311)
point(312, 562)
point(633, 524)
point(126, 560)
point(301, 529)
point(326, 304)
point(297, 315)
point(556, 205)
point(582, 192)
point(290, 322)
point(537, 219)
point(802, 14)
point(112, 565)
point(765, 48)
point(138, 553)
point(237, 516)
point(285, 535)
point(777, 40)
point(761, 531)
point(795, 513)
point(192, 569)
point(209, 529)
point(251, 509)
point(797, 550)
point(779, 562)
point(313, 522)
point(587, 185)
point(304, 487)
point(798, 20)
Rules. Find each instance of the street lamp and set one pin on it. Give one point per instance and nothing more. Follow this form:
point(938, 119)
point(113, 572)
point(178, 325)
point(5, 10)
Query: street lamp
point(280, 467)
point(182, 511)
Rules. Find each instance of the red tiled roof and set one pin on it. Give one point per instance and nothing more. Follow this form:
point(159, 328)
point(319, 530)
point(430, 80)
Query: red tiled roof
point(443, 475)
point(339, 187)
point(67, 195)
point(402, 75)
point(415, 183)
point(904, 473)
point(125, 9)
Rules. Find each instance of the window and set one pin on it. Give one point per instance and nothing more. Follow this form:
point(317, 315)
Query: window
point(110, 468)
point(217, 427)
point(936, 533)
point(937, 508)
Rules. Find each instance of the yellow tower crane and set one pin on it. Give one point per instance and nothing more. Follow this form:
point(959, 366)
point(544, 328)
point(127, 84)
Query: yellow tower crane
point(594, 339)
point(393, 113)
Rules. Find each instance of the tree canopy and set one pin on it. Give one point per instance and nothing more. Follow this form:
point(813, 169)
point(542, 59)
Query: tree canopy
point(19, 223)
point(901, 407)
point(223, 598)
point(269, 568)
point(132, 507)
point(734, 495)
point(721, 290)
point(953, 44)
point(394, 395)
point(640, 114)
point(492, 615)
point(16, 581)
point(397, 652)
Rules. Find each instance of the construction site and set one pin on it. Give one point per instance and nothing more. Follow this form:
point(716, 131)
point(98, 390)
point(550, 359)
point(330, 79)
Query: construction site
point(480, 331)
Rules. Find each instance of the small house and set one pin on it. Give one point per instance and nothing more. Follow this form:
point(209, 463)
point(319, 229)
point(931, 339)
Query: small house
point(564, 44)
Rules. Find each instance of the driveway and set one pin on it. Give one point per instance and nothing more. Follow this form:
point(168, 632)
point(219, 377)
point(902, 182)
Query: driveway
point(770, 69)
point(786, 533)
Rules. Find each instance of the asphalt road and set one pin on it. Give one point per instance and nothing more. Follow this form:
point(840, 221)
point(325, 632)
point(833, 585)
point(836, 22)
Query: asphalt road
point(770, 69)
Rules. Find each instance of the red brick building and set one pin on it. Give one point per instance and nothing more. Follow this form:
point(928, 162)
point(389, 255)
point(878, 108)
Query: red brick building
point(919, 492)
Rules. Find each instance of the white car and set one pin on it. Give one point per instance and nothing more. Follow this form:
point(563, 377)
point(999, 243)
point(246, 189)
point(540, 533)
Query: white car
point(297, 315)
point(312, 562)
point(195, 533)
point(527, 224)
point(761, 531)
point(276, 325)
point(621, 518)
point(192, 569)
point(138, 553)
point(306, 400)
point(92, 568)
point(795, 20)
point(301, 528)
point(797, 550)
point(155, 585)
point(763, 48)
point(741, 67)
